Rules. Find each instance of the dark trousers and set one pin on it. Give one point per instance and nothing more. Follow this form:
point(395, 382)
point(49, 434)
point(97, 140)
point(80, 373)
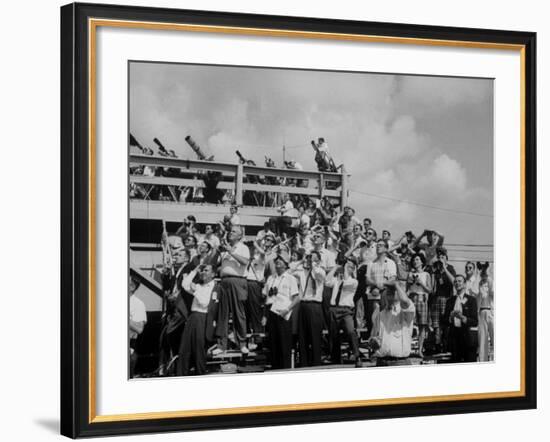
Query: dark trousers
point(280, 340)
point(254, 307)
point(462, 344)
point(341, 318)
point(133, 358)
point(327, 295)
point(233, 293)
point(192, 351)
point(170, 339)
point(310, 333)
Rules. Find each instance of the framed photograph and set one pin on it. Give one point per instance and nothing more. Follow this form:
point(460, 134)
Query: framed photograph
point(273, 220)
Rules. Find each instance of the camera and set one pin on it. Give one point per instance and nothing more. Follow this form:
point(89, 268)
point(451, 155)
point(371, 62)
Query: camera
point(438, 266)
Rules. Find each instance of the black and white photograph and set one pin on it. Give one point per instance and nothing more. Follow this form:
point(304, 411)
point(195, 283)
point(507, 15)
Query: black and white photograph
point(293, 219)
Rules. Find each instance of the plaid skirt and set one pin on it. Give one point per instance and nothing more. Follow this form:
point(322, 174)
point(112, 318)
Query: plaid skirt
point(420, 301)
point(437, 310)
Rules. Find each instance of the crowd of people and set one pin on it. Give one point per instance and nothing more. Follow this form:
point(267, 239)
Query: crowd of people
point(309, 281)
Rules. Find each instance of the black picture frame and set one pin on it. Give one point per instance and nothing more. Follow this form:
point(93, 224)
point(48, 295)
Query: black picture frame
point(76, 418)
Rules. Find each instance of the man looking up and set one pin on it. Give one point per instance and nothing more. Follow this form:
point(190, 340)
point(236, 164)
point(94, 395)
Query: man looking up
point(379, 272)
point(233, 289)
point(393, 331)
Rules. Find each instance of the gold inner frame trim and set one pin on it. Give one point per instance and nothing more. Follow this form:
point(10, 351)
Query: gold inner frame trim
point(93, 24)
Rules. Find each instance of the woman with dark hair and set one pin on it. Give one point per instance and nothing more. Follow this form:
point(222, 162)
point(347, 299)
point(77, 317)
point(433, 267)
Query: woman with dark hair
point(418, 288)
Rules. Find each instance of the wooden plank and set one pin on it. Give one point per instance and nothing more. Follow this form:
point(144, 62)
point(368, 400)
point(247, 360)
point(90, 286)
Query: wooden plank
point(205, 213)
point(291, 190)
point(147, 281)
point(170, 181)
point(191, 165)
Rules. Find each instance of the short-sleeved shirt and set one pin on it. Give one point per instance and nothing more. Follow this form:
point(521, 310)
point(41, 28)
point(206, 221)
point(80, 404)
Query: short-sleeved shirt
point(396, 327)
point(287, 288)
point(137, 313)
point(380, 272)
point(230, 266)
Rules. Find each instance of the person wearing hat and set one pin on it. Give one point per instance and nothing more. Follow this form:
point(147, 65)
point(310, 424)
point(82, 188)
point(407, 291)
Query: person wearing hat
point(443, 275)
point(281, 291)
point(343, 283)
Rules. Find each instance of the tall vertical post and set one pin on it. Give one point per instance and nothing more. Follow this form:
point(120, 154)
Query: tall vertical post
point(239, 185)
point(321, 185)
point(344, 189)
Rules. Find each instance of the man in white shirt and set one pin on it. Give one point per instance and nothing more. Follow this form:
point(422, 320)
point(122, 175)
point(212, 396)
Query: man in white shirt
point(310, 314)
point(138, 319)
point(380, 271)
point(233, 289)
point(192, 350)
point(343, 285)
point(282, 295)
point(394, 325)
point(386, 235)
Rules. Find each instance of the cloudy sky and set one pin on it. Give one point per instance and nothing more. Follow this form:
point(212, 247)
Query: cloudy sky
point(426, 140)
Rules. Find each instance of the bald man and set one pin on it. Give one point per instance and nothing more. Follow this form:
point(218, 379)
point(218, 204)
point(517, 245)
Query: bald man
point(233, 289)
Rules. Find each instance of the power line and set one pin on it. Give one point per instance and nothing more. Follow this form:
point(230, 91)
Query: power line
point(470, 250)
point(468, 245)
point(414, 203)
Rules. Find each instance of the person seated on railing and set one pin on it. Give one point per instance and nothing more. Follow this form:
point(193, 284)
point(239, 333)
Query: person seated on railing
point(210, 192)
point(188, 227)
point(185, 193)
point(235, 219)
